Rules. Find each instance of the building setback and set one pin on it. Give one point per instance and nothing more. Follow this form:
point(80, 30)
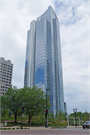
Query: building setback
point(43, 64)
point(6, 69)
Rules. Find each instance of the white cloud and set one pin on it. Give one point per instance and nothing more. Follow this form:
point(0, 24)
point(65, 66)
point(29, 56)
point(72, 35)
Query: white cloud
point(16, 18)
point(74, 28)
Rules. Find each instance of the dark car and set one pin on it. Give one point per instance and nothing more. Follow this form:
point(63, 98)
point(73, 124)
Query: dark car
point(86, 124)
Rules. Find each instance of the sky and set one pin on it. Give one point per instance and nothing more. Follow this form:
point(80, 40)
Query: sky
point(74, 18)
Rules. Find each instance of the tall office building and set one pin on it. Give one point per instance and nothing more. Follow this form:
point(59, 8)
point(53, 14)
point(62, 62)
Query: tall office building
point(43, 64)
point(6, 69)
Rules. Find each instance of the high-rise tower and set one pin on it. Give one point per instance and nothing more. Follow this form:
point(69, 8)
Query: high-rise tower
point(43, 64)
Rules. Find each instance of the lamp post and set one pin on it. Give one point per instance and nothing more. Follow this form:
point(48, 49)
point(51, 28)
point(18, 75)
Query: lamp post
point(46, 111)
point(75, 110)
point(21, 116)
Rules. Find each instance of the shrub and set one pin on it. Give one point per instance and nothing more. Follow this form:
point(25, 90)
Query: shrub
point(13, 128)
point(51, 124)
point(4, 128)
point(37, 123)
point(58, 123)
point(9, 128)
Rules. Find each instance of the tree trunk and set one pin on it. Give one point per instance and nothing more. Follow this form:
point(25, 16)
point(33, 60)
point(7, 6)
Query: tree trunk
point(15, 118)
point(29, 119)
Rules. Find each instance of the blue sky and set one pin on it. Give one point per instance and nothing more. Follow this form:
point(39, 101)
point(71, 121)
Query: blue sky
point(74, 18)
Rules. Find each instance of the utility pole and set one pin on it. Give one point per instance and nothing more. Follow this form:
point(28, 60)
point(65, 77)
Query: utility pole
point(46, 111)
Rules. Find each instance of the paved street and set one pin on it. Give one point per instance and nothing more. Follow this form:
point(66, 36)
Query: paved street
point(68, 131)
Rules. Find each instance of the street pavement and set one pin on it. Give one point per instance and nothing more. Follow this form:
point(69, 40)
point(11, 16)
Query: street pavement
point(47, 131)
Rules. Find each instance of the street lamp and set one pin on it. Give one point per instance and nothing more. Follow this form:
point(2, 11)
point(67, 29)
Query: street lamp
point(46, 111)
point(75, 110)
point(21, 116)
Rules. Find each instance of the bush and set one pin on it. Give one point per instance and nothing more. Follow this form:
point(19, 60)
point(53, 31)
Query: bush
point(13, 128)
point(58, 123)
point(52, 120)
point(4, 128)
point(37, 123)
point(51, 124)
point(9, 128)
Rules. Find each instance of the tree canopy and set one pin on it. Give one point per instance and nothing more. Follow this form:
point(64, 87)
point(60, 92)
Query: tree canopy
point(32, 99)
point(11, 101)
point(83, 116)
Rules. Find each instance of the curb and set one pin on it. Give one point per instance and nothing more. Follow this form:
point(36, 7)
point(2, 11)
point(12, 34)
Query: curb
point(74, 127)
point(18, 128)
point(13, 128)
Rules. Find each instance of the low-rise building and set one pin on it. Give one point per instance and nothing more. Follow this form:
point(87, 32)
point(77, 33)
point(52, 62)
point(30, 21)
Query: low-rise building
point(6, 70)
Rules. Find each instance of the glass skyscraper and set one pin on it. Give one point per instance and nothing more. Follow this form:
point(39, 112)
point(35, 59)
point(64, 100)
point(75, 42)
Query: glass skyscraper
point(43, 64)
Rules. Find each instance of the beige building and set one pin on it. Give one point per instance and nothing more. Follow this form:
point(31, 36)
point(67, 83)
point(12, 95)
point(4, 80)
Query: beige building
point(6, 69)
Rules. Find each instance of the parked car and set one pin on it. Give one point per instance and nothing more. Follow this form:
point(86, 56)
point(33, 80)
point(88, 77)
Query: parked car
point(86, 124)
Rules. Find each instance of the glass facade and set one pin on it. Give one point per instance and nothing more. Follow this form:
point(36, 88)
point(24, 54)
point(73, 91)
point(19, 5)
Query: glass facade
point(43, 65)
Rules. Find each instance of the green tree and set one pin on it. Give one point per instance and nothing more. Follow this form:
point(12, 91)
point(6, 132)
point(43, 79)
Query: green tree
point(61, 116)
point(79, 114)
point(56, 115)
point(4, 112)
point(72, 115)
point(10, 100)
point(41, 118)
point(34, 101)
point(51, 115)
point(85, 116)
